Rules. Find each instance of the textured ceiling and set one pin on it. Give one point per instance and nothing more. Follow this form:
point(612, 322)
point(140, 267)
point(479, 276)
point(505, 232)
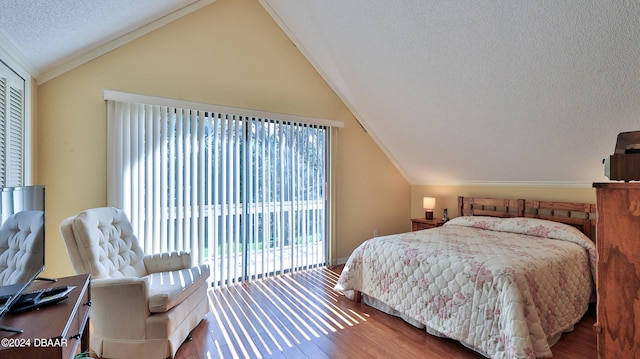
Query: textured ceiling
point(522, 92)
point(49, 33)
point(467, 92)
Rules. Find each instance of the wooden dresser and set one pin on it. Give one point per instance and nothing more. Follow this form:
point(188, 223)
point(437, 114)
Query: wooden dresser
point(618, 272)
point(51, 332)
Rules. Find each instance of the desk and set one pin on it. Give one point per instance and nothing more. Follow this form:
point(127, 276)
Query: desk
point(54, 331)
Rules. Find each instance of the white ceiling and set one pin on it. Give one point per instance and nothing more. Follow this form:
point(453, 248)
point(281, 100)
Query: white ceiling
point(480, 91)
point(50, 34)
point(467, 92)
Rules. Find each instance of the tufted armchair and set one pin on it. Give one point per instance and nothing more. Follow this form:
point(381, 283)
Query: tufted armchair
point(143, 306)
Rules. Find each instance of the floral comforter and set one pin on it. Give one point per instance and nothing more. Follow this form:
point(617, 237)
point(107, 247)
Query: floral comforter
point(501, 286)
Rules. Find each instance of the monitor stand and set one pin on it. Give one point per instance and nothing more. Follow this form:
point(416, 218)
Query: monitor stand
point(10, 329)
point(16, 330)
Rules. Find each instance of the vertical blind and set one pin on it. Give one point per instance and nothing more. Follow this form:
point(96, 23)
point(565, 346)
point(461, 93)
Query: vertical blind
point(246, 194)
point(12, 128)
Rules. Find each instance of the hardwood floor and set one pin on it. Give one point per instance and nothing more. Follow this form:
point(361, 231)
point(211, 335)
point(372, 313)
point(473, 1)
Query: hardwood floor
point(300, 316)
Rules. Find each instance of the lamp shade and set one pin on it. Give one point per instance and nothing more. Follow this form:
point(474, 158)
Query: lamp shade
point(428, 203)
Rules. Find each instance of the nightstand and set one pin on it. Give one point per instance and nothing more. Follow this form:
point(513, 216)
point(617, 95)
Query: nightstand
point(418, 224)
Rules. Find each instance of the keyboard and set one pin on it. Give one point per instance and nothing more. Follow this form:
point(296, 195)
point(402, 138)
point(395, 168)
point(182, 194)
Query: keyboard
point(41, 297)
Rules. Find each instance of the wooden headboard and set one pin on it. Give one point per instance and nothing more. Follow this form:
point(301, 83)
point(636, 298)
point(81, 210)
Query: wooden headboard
point(580, 215)
point(473, 206)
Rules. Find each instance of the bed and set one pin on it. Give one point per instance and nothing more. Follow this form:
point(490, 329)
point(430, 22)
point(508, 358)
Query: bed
point(505, 278)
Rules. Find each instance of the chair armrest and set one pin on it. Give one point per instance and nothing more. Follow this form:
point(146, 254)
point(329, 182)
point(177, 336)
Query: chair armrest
point(166, 262)
point(120, 305)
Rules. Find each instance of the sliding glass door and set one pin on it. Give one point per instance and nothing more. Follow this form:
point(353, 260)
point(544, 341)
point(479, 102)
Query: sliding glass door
point(268, 212)
point(245, 194)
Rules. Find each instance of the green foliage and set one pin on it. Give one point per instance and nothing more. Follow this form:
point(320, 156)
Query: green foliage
point(86, 354)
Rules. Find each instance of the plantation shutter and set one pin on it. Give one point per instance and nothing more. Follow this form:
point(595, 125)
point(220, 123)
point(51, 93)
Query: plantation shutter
point(11, 127)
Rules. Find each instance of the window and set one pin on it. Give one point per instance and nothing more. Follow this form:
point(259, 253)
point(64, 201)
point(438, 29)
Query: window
point(12, 128)
point(243, 191)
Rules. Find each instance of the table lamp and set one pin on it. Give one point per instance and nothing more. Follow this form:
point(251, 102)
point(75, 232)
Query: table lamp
point(428, 203)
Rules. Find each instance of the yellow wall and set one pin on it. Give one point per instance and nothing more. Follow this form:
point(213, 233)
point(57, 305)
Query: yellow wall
point(447, 196)
point(228, 53)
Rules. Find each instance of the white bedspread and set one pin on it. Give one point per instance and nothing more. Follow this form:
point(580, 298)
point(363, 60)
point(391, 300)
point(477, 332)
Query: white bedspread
point(499, 286)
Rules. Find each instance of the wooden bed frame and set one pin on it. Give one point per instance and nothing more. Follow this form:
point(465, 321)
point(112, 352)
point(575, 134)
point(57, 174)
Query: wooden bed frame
point(580, 215)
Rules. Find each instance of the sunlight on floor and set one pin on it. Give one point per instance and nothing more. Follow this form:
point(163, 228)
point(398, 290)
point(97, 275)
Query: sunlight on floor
point(289, 310)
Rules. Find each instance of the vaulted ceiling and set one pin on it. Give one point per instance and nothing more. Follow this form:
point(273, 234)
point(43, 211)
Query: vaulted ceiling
point(465, 92)
point(52, 37)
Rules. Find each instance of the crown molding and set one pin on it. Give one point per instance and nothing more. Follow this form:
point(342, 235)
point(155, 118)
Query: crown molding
point(358, 117)
point(81, 59)
point(10, 55)
point(544, 184)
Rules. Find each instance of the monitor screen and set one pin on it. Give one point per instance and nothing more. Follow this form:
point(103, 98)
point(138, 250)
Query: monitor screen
point(22, 216)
